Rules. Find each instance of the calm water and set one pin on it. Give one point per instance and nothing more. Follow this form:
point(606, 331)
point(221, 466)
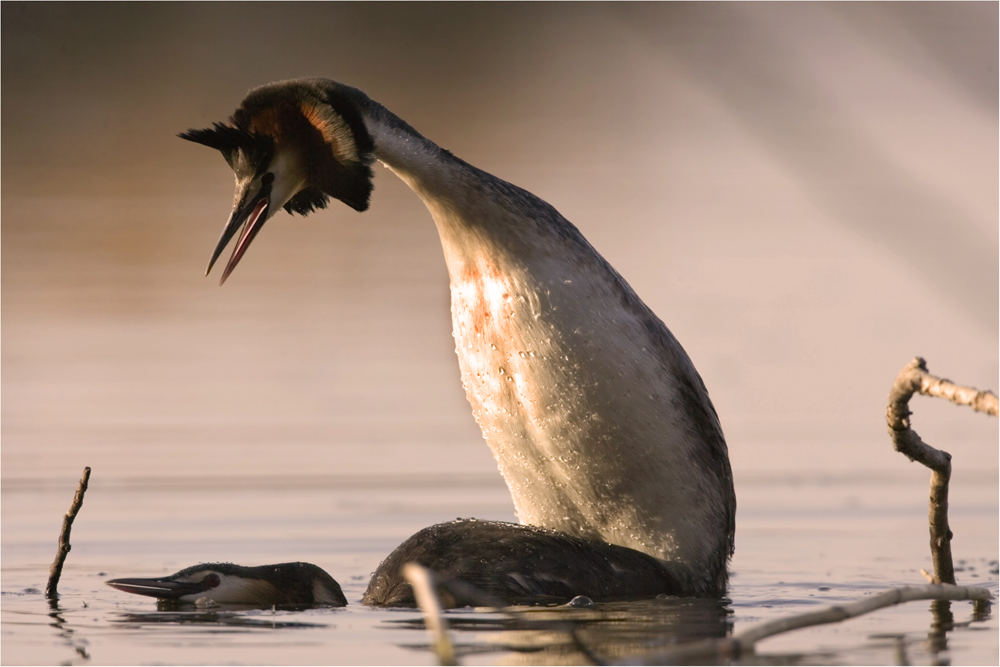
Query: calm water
point(816, 541)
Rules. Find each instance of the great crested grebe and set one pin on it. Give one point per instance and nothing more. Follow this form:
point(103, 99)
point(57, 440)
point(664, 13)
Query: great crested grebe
point(601, 426)
point(283, 584)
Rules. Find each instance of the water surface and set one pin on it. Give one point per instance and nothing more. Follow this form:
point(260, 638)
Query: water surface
point(817, 542)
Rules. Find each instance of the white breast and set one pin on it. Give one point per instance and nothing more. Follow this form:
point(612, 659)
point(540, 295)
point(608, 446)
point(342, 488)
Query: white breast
point(572, 397)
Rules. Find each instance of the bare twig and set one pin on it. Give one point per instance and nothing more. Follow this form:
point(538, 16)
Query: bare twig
point(977, 399)
point(421, 580)
point(728, 648)
point(64, 546)
point(836, 613)
point(914, 378)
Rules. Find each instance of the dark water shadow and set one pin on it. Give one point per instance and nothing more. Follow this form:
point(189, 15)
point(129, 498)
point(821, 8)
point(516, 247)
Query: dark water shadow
point(943, 622)
point(170, 612)
point(603, 634)
point(234, 617)
point(65, 630)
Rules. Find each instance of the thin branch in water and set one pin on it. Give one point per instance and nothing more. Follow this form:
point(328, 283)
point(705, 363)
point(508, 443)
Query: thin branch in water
point(51, 589)
point(912, 379)
point(422, 581)
point(836, 613)
point(744, 642)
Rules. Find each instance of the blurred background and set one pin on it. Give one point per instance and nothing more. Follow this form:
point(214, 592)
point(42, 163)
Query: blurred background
point(805, 193)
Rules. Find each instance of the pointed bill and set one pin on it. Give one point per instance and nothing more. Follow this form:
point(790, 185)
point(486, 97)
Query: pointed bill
point(250, 214)
point(163, 588)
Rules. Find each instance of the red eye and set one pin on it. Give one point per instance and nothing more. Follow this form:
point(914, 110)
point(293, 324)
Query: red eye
point(211, 581)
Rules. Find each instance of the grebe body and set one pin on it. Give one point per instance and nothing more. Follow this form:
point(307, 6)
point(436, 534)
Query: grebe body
point(601, 426)
point(509, 563)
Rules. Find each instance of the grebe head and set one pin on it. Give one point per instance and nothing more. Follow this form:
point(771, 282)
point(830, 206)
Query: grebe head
point(290, 144)
point(226, 583)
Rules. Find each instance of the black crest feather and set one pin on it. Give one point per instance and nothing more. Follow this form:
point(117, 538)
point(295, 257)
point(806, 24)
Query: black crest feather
point(228, 139)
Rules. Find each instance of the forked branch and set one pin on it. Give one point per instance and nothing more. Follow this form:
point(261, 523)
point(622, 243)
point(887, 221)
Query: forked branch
point(914, 378)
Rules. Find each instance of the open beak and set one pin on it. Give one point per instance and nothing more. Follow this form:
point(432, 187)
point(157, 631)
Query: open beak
point(250, 213)
point(163, 588)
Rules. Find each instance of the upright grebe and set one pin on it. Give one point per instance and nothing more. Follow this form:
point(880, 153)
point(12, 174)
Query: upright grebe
point(601, 426)
point(283, 584)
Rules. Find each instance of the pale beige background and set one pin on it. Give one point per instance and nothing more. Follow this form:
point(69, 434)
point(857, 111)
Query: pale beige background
point(806, 194)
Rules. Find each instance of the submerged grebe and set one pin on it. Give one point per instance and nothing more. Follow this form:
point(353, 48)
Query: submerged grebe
point(599, 422)
point(284, 584)
point(517, 564)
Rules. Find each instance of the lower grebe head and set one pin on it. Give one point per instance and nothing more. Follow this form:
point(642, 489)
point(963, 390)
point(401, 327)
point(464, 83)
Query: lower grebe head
point(227, 583)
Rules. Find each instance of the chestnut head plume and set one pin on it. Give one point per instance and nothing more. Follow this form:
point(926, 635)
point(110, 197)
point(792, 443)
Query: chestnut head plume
point(291, 145)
